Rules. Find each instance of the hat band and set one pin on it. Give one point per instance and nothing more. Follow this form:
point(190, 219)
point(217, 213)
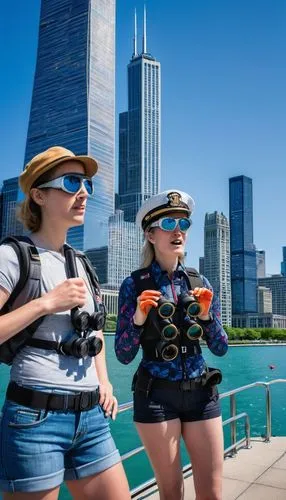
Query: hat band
point(149, 218)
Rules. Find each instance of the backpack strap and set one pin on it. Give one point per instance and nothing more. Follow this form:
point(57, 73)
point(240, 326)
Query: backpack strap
point(30, 282)
point(143, 280)
point(194, 278)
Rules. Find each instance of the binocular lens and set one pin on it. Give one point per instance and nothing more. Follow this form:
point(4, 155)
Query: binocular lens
point(165, 309)
point(193, 309)
point(169, 352)
point(194, 332)
point(169, 332)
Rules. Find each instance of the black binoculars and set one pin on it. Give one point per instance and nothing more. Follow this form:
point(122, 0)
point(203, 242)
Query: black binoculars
point(166, 309)
point(167, 351)
point(82, 321)
point(81, 347)
point(190, 304)
point(192, 329)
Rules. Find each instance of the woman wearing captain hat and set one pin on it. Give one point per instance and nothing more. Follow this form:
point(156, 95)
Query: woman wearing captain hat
point(166, 309)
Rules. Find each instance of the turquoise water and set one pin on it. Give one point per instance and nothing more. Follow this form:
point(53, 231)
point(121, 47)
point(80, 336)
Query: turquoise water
point(241, 366)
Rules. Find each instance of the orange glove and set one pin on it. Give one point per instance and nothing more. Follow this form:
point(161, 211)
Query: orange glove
point(148, 299)
point(204, 296)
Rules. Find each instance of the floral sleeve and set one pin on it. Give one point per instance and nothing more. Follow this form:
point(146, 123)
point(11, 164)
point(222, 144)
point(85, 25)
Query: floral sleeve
point(127, 337)
point(214, 334)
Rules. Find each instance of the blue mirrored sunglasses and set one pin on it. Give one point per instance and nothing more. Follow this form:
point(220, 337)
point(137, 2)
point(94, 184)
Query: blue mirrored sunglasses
point(70, 183)
point(170, 224)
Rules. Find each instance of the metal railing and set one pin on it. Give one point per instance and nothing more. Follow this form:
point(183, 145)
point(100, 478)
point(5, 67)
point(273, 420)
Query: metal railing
point(232, 421)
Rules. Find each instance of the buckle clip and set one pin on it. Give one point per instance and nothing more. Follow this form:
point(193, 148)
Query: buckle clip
point(84, 401)
point(185, 385)
point(184, 349)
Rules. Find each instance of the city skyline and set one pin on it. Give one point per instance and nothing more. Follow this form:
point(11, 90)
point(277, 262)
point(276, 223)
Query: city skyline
point(223, 104)
point(73, 100)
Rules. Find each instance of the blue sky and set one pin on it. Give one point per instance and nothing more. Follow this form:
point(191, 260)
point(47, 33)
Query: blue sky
point(223, 101)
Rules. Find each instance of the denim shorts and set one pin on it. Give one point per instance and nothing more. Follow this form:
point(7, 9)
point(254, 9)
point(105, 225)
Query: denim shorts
point(167, 404)
point(39, 449)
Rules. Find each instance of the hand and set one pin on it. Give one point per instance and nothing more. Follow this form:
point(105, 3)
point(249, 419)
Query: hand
point(107, 400)
point(68, 294)
point(204, 297)
point(147, 299)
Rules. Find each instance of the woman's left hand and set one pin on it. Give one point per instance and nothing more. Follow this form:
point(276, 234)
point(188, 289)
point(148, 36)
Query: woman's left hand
point(107, 400)
point(204, 296)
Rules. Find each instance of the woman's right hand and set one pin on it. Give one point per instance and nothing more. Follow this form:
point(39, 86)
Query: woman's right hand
point(70, 293)
point(147, 299)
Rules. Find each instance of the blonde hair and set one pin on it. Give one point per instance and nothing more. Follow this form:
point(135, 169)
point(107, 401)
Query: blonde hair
point(29, 212)
point(148, 253)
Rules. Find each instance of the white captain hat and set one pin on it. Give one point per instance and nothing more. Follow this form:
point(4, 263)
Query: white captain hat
point(162, 204)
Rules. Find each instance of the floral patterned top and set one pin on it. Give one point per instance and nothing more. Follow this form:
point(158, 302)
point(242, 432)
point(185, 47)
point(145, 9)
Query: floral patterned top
point(127, 338)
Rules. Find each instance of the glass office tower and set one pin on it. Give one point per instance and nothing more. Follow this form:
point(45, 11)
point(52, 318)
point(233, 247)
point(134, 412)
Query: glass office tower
point(140, 131)
point(243, 252)
point(73, 99)
point(10, 198)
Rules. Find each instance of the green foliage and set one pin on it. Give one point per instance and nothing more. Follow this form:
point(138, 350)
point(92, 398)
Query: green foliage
point(110, 325)
point(255, 334)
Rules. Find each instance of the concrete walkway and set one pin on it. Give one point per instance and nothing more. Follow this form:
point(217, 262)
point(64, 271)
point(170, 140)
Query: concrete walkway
point(258, 473)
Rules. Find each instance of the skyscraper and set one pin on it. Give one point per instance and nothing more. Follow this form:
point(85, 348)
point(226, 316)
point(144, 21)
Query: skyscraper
point(243, 253)
point(283, 263)
point(73, 99)
point(140, 131)
point(260, 263)
point(124, 248)
point(10, 198)
point(217, 261)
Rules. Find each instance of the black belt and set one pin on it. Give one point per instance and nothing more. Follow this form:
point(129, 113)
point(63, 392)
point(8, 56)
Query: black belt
point(144, 382)
point(81, 401)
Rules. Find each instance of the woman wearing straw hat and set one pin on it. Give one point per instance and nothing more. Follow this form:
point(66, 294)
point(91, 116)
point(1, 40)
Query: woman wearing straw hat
point(54, 424)
point(166, 309)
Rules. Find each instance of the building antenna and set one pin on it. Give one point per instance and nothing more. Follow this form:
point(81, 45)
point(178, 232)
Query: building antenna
point(144, 47)
point(135, 53)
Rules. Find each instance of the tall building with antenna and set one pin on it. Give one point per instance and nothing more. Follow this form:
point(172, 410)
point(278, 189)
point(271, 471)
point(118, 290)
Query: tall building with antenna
point(140, 130)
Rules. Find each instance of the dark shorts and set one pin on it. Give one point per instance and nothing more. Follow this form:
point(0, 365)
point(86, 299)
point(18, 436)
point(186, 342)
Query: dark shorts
point(167, 404)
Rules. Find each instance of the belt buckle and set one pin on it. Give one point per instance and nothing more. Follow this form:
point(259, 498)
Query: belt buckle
point(84, 401)
point(185, 385)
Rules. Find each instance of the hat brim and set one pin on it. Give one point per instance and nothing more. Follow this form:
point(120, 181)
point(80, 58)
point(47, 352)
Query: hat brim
point(162, 213)
point(27, 179)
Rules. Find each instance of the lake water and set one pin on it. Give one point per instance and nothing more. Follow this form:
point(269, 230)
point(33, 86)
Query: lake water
point(240, 366)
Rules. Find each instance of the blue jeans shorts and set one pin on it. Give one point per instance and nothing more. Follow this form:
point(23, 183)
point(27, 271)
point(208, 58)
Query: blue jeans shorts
point(39, 449)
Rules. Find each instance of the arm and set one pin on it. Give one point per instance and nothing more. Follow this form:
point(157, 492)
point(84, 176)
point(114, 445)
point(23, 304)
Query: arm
point(65, 296)
point(214, 333)
point(107, 400)
point(127, 337)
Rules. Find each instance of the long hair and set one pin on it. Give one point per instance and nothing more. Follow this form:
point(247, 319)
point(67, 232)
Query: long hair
point(29, 212)
point(148, 253)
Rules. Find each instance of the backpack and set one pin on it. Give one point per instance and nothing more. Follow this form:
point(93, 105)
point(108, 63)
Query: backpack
point(29, 285)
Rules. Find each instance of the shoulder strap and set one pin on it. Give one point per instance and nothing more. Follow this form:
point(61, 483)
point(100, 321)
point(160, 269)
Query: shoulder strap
point(194, 278)
point(30, 280)
point(26, 253)
point(143, 280)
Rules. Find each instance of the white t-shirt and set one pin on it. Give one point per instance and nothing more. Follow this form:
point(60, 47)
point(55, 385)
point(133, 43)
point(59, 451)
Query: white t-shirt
point(42, 367)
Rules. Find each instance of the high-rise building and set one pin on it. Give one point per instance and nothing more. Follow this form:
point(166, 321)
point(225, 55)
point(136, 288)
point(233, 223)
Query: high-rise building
point(125, 241)
point(260, 263)
point(73, 99)
point(201, 265)
point(277, 285)
point(140, 131)
point(264, 299)
point(283, 263)
point(217, 261)
point(243, 253)
point(11, 195)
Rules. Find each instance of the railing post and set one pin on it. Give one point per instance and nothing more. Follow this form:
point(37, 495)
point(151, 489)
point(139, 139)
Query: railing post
point(233, 424)
point(268, 414)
